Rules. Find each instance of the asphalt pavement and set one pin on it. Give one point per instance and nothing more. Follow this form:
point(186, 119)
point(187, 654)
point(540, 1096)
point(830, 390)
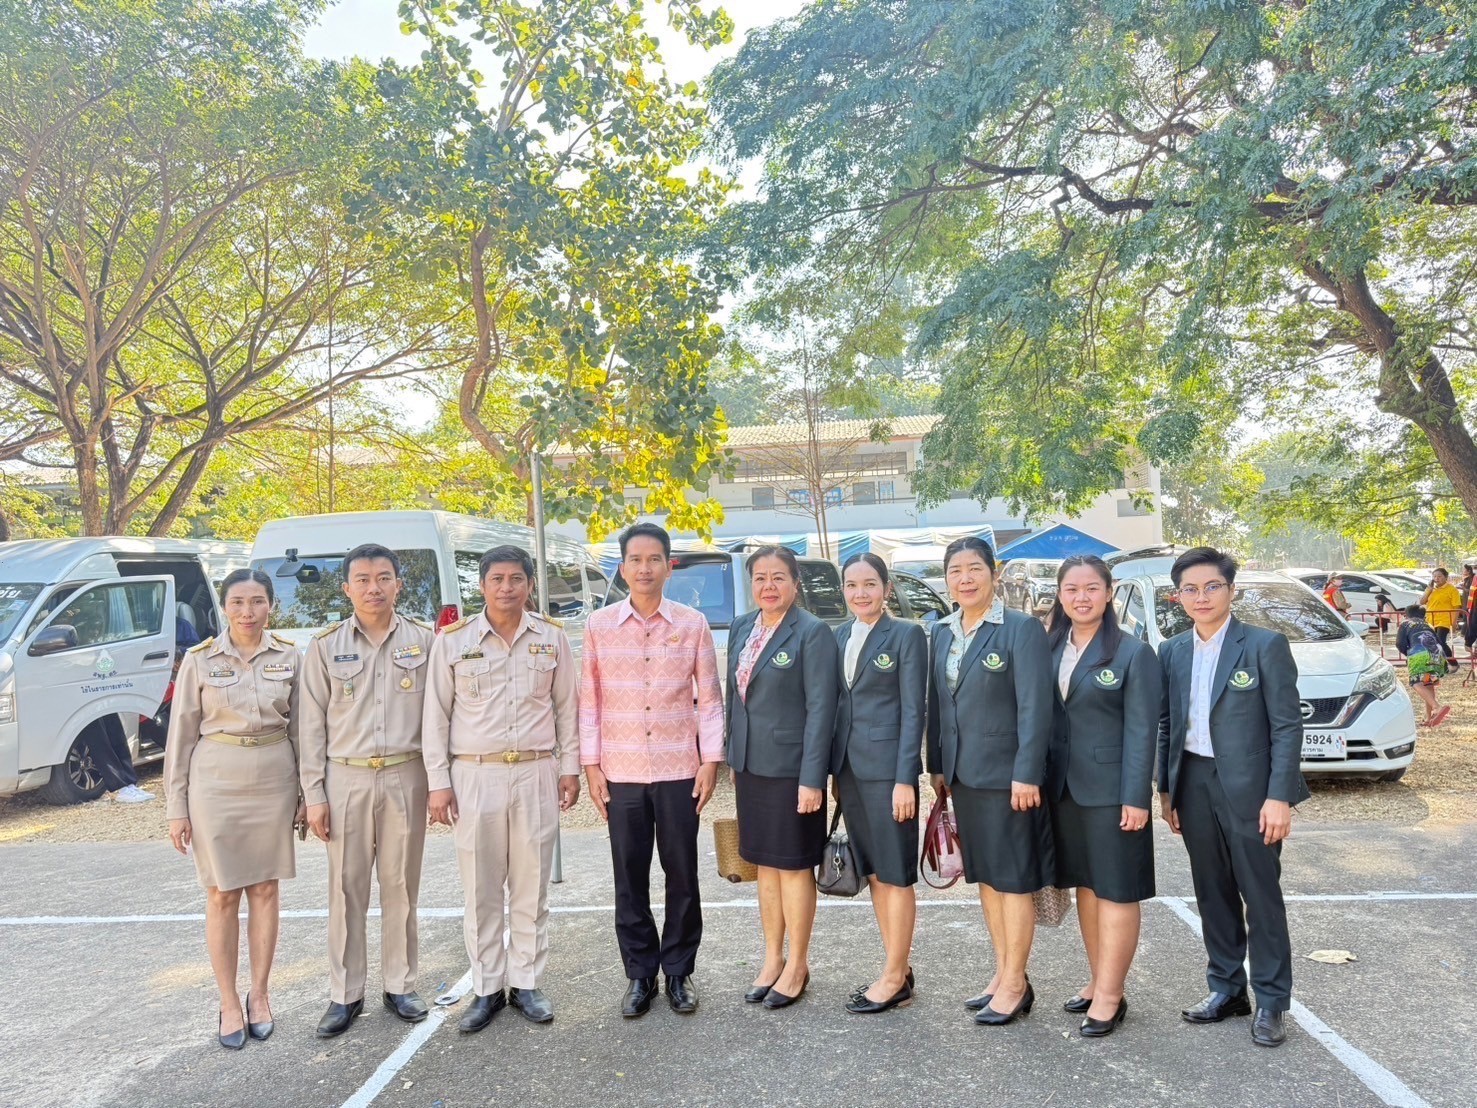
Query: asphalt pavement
point(110, 999)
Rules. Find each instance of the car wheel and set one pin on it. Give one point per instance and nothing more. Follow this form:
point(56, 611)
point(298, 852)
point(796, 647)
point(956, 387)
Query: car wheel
point(77, 778)
point(1394, 775)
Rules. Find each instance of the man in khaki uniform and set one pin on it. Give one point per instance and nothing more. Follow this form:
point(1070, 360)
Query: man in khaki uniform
point(364, 780)
point(502, 756)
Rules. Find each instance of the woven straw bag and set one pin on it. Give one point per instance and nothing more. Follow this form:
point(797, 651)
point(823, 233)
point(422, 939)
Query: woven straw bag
point(726, 845)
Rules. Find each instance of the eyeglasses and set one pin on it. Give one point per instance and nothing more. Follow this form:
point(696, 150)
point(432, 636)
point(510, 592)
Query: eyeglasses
point(1210, 592)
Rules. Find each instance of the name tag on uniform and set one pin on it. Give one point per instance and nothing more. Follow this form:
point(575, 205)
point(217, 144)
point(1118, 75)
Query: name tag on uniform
point(276, 671)
point(227, 672)
point(346, 657)
point(472, 652)
point(406, 652)
point(541, 648)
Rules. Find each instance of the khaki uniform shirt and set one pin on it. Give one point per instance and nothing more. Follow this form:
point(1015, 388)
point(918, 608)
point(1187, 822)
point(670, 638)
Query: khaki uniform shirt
point(218, 691)
point(360, 700)
point(486, 697)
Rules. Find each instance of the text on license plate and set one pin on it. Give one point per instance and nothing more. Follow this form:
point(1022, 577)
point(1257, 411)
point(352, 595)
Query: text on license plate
point(1323, 745)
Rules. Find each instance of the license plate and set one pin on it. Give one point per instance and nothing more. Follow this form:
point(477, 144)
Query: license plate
point(1324, 746)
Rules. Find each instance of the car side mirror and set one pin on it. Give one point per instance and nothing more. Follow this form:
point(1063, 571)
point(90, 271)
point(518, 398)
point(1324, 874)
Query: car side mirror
point(53, 640)
point(1361, 629)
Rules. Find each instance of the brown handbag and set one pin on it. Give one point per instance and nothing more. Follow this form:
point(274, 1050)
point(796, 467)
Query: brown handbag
point(726, 845)
point(941, 851)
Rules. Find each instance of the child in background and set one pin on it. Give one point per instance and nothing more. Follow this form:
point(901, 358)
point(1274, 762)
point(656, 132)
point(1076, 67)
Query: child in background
point(1425, 662)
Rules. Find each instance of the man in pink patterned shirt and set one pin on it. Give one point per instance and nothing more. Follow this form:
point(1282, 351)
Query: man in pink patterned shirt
point(651, 739)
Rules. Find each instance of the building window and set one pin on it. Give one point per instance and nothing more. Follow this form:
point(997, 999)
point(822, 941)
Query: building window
point(864, 492)
point(1127, 507)
point(763, 496)
point(886, 490)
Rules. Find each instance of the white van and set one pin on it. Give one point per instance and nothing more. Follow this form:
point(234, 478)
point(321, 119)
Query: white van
point(438, 552)
point(87, 645)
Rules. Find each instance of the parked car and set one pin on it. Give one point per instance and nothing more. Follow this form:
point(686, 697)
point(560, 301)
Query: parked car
point(1357, 714)
point(925, 562)
point(1361, 587)
point(87, 648)
point(1029, 584)
point(1417, 579)
point(439, 554)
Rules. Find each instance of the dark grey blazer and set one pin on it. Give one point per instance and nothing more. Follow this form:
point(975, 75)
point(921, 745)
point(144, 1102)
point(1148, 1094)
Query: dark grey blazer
point(1256, 724)
point(785, 726)
point(996, 727)
point(879, 718)
point(1102, 746)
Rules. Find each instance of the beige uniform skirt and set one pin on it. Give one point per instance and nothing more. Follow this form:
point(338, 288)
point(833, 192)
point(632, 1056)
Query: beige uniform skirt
point(242, 802)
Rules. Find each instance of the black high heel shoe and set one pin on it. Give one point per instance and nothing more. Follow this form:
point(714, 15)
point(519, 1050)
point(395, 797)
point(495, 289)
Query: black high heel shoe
point(235, 1040)
point(776, 999)
point(860, 990)
point(861, 1006)
point(259, 1031)
point(1078, 1005)
point(991, 1018)
point(1096, 1029)
point(757, 993)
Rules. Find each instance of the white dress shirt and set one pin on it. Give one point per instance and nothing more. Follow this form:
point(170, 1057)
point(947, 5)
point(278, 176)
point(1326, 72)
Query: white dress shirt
point(1202, 684)
point(1070, 657)
point(854, 644)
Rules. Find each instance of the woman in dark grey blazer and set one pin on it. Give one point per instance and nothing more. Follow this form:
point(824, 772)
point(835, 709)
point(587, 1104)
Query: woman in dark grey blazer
point(876, 761)
point(989, 727)
point(781, 716)
point(1099, 779)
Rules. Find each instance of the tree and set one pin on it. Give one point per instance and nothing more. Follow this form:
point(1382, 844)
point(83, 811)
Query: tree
point(559, 196)
point(1129, 223)
point(176, 261)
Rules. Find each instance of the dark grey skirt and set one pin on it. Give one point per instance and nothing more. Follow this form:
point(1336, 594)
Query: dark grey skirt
point(884, 846)
point(1094, 853)
point(771, 832)
point(1008, 850)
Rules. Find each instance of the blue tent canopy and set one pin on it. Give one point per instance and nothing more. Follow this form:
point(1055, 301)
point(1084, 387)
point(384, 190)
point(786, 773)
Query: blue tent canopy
point(1058, 541)
point(852, 542)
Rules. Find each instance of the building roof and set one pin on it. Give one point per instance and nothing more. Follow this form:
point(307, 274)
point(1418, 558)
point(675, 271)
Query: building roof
point(836, 430)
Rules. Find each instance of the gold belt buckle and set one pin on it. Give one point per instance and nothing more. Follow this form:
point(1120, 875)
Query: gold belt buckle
point(377, 762)
point(249, 740)
point(512, 756)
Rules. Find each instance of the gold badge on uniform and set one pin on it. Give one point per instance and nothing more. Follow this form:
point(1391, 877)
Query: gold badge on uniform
point(406, 652)
point(406, 682)
point(349, 689)
point(675, 637)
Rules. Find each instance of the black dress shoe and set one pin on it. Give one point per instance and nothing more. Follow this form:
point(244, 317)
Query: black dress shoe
point(235, 1040)
point(908, 980)
point(532, 1004)
point(976, 1003)
point(480, 1014)
point(988, 1017)
point(681, 993)
point(1216, 1007)
point(408, 1006)
point(1267, 1028)
point(756, 993)
point(336, 1020)
point(1078, 1005)
point(638, 997)
point(861, 1006)
point(777, 999)
point(262, 1030)
point(1096, 1029)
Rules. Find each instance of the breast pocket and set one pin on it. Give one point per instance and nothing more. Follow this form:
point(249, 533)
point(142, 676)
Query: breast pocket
point(540, 674)
point(473, 678)
point(344, 681)
point(220, 692)
point(410, 674)
point(276, 687)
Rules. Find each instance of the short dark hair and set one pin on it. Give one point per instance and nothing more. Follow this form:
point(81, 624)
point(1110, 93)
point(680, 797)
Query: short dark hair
point(1204, 556)
point(505, 555)
point(772, 550)
point(870, 559)
point(240, 576)
point(371, 552)
point(1415, 611)
point(970, 543)
point(1442, 569)
point(648, 531)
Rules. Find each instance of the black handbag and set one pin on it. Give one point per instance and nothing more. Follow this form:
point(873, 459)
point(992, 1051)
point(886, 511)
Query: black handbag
point(839, 873)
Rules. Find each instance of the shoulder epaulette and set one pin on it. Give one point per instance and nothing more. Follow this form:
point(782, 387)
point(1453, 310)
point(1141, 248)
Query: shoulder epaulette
point(458, 625)
point(200, 645)
point(422, 623)
point(283, 640)
point(547, 619)
point(330, 629)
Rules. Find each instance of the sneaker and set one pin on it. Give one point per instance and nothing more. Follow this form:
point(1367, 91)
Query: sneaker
point(132, 794)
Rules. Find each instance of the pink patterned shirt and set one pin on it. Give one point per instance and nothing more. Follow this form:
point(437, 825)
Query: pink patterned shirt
point(638, 722)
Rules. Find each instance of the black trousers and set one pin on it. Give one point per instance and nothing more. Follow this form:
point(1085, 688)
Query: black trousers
point(111, 756)
point(1443, 636)
point(663, 815)
point(1231, 866)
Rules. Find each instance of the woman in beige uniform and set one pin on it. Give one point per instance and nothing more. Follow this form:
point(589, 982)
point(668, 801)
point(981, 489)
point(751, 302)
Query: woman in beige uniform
point(231, 782)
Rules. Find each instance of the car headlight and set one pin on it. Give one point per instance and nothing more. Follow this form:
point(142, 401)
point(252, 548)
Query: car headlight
point(1378, 680)
point(7, 708)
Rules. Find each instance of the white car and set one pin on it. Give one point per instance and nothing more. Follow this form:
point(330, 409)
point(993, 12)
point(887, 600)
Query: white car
point(1362, 588)
point(1357, 714)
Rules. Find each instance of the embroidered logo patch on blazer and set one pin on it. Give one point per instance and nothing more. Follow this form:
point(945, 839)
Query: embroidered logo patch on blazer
point(884, 662)
point(1107, 679)
point(782, 660)
point(993, 661)
point(1241, 679)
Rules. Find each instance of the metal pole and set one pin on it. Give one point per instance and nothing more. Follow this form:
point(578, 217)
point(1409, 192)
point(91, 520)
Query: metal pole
point(541, 568)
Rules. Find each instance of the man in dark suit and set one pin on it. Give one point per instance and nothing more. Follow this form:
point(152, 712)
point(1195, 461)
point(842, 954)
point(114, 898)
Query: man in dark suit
point(1230, 743)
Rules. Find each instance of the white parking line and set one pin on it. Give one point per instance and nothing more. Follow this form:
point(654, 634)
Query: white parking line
point(1380, 1081)
point(381, 1077)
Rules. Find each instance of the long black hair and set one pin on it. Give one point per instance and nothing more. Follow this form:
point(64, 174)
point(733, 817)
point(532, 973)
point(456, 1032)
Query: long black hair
point(1059, 624)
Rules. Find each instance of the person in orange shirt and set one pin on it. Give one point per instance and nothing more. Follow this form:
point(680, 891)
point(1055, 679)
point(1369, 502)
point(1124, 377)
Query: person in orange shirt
point(1442, 601)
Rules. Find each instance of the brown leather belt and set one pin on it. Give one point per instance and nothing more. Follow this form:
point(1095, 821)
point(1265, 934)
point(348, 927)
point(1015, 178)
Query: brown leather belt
point(508, 757)
point(378, 761)
point(247, 740)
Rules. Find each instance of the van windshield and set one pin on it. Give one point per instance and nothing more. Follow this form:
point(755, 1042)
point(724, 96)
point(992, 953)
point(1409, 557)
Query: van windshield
point(15, 600)
point(1283, 608)
point(313, 596)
